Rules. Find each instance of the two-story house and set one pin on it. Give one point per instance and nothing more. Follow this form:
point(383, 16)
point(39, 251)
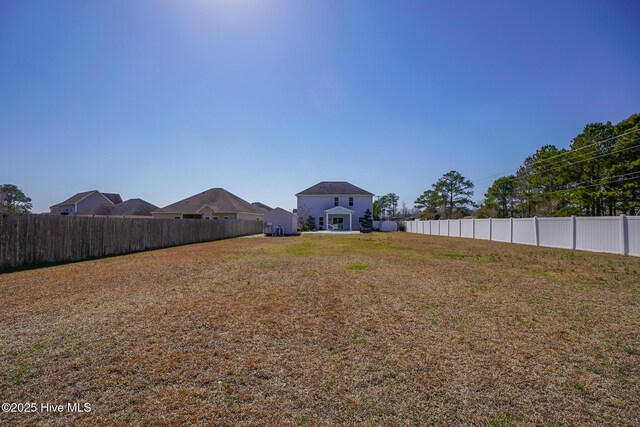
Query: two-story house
point(334, 205)
point(83, 203)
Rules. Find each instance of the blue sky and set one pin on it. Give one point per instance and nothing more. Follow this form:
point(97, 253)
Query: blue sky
point(163, 99)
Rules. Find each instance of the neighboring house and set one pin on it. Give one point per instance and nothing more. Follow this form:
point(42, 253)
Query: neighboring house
point(131, 208)
point(261, 207)
point(280, 222)
point(82, 203)
point(334, 205)
point(213, 204)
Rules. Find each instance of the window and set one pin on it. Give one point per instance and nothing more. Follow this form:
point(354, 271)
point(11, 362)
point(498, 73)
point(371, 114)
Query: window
point(206, 217)
point(177, 217)
point(215, 217)
point(226, 217)
point(321, 221)
point(336, 201)
point(350, 201)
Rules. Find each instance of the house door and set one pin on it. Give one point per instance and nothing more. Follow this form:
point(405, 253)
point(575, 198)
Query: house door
point(338, 223)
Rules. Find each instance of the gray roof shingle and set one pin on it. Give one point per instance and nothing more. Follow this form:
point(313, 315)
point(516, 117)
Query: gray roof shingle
point(218, 199)
point(74, 199)
point(112, 197)
point(261, 207)
point(333, 187)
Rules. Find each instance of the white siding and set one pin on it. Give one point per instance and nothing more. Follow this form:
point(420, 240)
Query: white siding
point(281, 218)
point(316, 205)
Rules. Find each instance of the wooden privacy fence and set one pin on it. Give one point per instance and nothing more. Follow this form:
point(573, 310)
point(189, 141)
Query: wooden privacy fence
point(613, 234)
point(27, 240)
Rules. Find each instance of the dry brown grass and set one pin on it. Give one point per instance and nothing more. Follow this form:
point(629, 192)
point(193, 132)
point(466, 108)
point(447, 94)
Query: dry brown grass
point(393, 329)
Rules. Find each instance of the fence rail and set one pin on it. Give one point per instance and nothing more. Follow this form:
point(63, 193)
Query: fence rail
point(27, 240)
point(612, 234)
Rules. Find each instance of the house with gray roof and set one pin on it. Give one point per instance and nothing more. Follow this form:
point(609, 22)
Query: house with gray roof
point(132, 208)
point(261, 207)
point(212, 204)
point(83, 203)
point(334, 205)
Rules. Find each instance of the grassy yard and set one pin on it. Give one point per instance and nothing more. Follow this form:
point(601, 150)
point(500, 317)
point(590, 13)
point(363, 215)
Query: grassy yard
point(393, 329)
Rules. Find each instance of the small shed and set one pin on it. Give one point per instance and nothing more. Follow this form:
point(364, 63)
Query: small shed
point(279, 222)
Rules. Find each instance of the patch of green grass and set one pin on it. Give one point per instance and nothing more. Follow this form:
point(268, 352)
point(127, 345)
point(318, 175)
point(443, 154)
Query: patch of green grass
point(357, 267)
point(36, 347)
point(358, 341)
point(628, 349)
point(500, 420)
point(579, 385)
point(454, 255)
point(115, 384)
point(338, 350)
point(18, 376)
point(377, 245)
point(299, 250)
point(232, 398)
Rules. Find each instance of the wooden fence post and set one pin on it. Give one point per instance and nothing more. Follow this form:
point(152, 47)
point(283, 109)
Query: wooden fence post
point(536, 231)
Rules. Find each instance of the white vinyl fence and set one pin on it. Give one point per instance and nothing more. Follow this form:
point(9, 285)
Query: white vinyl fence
point(385, 225)
point(613, 234)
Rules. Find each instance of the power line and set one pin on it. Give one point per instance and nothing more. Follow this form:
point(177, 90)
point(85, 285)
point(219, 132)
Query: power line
point(589, 145)
point(559, 155)
point(564, 165)
point(636, 175)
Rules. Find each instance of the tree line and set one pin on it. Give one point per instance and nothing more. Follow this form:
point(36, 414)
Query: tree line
point(598, 175)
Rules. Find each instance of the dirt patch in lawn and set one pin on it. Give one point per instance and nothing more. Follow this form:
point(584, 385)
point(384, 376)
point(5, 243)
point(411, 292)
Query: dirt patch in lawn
point(323, 330)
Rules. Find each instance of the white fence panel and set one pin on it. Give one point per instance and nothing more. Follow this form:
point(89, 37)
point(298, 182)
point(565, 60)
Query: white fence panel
point(454, 228)
point(555, 232)
point(435, 227)
point(444, 227)
point(483, 229)
point(633, 235)
point(599, 234)
point(467, 228)
point(524, 231)
point(619, 234)
point(501, 230)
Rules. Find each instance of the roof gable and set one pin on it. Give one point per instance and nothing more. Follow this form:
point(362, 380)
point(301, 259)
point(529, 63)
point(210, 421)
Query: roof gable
point(218, 199)
point(261, 207)
point(75, 198)
point(113, 198)
point(327, 188)
point(338, 210)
